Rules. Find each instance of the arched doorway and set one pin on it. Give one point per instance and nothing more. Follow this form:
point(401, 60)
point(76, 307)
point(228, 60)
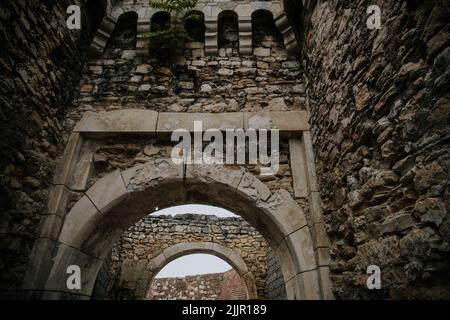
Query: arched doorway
point(182, 249)
point(121, 198)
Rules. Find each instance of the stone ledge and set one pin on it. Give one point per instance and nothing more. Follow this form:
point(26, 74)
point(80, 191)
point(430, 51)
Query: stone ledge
point(288, 122)
point(168, 122)
point(104, 124)
point(146, 122)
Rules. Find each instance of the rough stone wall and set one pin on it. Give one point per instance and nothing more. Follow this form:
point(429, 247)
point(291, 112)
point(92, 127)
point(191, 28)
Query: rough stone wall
point(40, 66)
point(269, 80)
point(215, 286)
point(149, 237)
point(379, 102)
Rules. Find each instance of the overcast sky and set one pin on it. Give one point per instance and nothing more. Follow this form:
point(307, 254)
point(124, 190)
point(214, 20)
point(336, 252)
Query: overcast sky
point(195, 263)
point(197, 209)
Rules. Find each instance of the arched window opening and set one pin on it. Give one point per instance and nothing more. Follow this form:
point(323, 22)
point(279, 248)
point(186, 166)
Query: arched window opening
point(264, 30)
point(124, 36)
point(198, 277)
point(194, 23)
point(295, 14)
point(96, 11)
point(228, 30)
point(160, 21)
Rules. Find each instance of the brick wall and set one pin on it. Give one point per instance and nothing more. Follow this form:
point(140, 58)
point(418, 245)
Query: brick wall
point(216, 286)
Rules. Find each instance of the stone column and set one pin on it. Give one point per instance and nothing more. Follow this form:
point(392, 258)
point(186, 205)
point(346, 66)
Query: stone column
point(245, 36)
point(290, 42)
point(211, 41)
point(143, 26)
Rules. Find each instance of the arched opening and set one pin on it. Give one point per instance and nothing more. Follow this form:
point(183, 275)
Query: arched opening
point(295, 14)
point(118, 200)
point(95, 12)
point(124, 36)
point(160, 21)
point(197, 276)
point(264, 30)
point(228, 30)
point(194, 23)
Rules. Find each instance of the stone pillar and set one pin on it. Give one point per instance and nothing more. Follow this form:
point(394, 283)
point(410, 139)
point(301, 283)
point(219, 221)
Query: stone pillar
point(245, 36)
point(102, 35)
point(143, 26)
point(290, 42)
point(211, 40)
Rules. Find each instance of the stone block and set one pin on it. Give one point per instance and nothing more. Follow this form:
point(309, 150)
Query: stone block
point(319, 236)
point(310, 161)
point(131, 121)
point(39, 264)
point(300, 242)
point(311, 285)
point(288, 122)
point(254, 188)
point(84, 167)
point(294, 289)
point(57, 200)
point(65, 257)
point(79, 222)
point(323, 257)
point(287, 213)
point(225, 72)
point(315, 208)
point(107, 192)
point(66, 166)
point(50, 226)
point(326, 285)
point(288, 268)
point(261, 52)
point(157, 263)
point(298, 168)
point(169, 122)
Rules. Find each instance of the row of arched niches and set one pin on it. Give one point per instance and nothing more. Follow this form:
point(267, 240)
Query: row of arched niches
point(124, 27)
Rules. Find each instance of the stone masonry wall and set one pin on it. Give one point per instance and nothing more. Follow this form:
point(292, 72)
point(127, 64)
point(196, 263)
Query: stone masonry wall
point(216, 286)
point(269, 80)
point(379, 102)
point(149, 237)
point(40, 66)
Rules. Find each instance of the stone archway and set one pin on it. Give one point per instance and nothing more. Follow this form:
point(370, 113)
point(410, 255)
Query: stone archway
point(148, 274)
point(121, 198)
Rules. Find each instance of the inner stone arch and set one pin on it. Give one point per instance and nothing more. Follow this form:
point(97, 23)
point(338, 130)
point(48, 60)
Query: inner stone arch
point(182, 249)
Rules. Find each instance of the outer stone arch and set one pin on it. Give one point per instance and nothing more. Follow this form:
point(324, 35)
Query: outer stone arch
point(120, 199)
point(181, 249)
